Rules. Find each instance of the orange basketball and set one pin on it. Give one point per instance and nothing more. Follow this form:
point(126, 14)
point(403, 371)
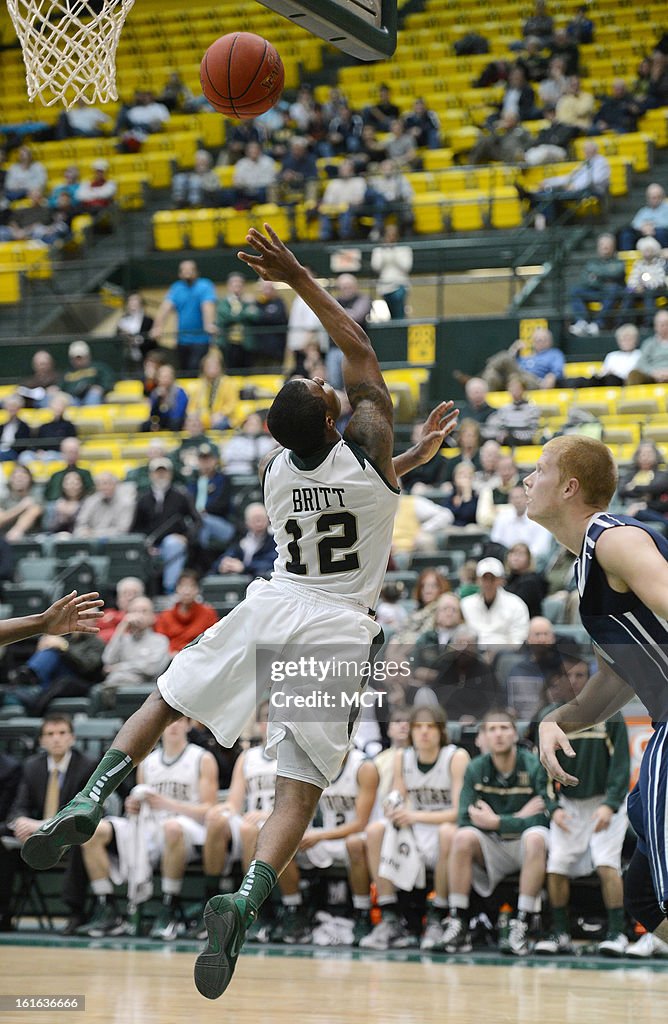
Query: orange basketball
point(242, 75)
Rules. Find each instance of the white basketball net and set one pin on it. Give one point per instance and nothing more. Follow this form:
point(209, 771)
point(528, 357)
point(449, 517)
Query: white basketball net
point(69, 47)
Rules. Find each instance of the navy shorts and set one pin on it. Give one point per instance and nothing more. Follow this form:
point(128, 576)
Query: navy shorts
point(648, 813)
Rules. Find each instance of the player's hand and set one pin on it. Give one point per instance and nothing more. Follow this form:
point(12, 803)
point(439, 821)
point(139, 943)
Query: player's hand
point(74, 613)
point(310, 838)
point(603, 816)
point(272, 260)
point(560, 819)
point(533, 806)
point(482, 816)
point(402, 817)
point(158, 802)
point(440, 422)
point(132, 805)
point(552, 738)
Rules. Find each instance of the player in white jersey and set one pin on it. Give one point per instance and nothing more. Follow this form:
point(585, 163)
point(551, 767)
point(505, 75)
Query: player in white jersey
point(338, 496)
point(428, 777)
point(177, 784)
point(346, 807)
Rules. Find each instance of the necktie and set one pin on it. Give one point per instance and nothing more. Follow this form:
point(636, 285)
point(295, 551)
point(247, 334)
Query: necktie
point(52, 798)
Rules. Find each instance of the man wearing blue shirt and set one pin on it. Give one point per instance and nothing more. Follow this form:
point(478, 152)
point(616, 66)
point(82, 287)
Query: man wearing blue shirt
point(542, 369)
point(651, 219)
point(194, 300)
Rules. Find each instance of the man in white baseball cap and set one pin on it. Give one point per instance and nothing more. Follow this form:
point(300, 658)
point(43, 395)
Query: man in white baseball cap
point(500, 619)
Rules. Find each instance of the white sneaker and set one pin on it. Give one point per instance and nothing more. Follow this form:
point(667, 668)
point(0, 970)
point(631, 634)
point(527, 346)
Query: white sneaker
point(579, 328)
point(456, 937)
point(388, 935)
point(553, 944)
point(614, 945)
point(432, 936)
point(518, 937)
point(593, 329)
point(648, 945)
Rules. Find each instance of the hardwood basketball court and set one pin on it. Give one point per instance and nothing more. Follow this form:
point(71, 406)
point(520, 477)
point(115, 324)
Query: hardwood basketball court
point(132, 986)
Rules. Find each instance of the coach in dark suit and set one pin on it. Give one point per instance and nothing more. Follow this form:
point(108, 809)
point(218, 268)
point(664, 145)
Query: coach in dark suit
point(167, 516)
point(50, 779)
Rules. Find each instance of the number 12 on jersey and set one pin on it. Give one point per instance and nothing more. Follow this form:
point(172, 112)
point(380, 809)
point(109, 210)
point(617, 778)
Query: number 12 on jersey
point(330, 548)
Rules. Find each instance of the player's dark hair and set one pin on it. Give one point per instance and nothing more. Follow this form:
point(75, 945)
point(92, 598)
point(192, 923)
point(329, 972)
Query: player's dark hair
point(498, 715)
point(433, 713)
point(296, 418)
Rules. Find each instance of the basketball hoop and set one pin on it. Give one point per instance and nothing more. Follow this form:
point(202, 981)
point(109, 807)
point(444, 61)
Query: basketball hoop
point(69, 47)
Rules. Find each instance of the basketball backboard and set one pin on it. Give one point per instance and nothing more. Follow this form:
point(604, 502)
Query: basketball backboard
point(366, 29)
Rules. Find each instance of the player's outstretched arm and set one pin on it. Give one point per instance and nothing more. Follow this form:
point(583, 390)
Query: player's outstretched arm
point(371, 425)
point(441, 421)
point(73, 613)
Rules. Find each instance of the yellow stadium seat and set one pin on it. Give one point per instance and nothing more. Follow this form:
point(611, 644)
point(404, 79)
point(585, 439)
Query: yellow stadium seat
point(428, 211)
point(10, 285)
point(204, 226)
point(466, 210)
point(271, 214)
point(506, 208)
point(171, 229)
point(234, 226)
point(225, 175)
point(131, 190)
point(436, 159)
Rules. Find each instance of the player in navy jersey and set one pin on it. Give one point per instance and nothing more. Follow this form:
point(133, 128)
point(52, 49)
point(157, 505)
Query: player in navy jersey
point(622, 577)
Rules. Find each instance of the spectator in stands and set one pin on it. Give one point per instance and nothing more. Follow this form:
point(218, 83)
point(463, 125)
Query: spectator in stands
point(465, 684)
point(489, 454)
point(566, 48)
point(518, 100)
point(49, 435)
point(504, 811)
point(657, 91)
point(21, 507)
point(495, 493)
point(133, 330)
point(358, 306)
point(215, 396)
point(652, 367)
point(343, 198)
point(581, 28)
point(236, 312)
point(647, 280)
point(506, 141)
point(26, 219)
point(304, 328)
point(539, 25)
point(515, 423)
point(522, 579)
point(180, 783)
point(427, 805)
point(169, 402)
point(301, 110)
point(423, 125)
point(381, 113)
point(15, 432)
point(251, 442)
point(299, 171)
point(211, 492)
point(418, 526)
point(24, 176)
point(255, 174)
point(199, 187)
point(189, 617)
point(83, 121)
point(255, 552)
point(430, 474)
point(429, 586)
point(49, 780)
point(534, 66)
point(126, 590)
point(166, 515)
point(512, 525)
point(393, 263)
point(44, 378)
point(136, 654)
point(390, 192)
point(588, 828)
point(107, 513)
point(239, 135)
point(468, 440)
point(401, 148)
point(543, 369)
point(500, 619)
point(60, 515)
point(99, 192)
point(194, 300)
point(432, 644)
point(617, 364)
point(590, 178)
point(575, 107)
point(645, 490)
point(552, 88)
point(651, 220)
point(602, 282)
point(143, 116)
point(537, 660)
point(476, 406)
point(70, 451)
point(270, 333)
point(344, 134)
point(463, 500)
point(86, 382)
point(618, 112)
point(551, 144)
point(185, 458)
point(70, 185)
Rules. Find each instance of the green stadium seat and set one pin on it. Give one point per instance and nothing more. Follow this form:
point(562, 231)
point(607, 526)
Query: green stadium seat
point(226, 589)
point(94, 735)
point(18, 736)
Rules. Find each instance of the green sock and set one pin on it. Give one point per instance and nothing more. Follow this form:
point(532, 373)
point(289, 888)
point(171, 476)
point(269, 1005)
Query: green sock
point(258, 882)
point(112, 769)
point(560, 922)
point(616, 920)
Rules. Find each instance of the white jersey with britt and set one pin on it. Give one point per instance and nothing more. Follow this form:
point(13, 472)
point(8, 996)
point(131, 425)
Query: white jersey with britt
point(260, 775)
point(177, 778)
point(431, 790)
point(337, 802)
point(333, 517)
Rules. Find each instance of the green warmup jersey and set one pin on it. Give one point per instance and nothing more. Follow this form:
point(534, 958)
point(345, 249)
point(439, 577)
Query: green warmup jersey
point(602, 761)
point(506, 794)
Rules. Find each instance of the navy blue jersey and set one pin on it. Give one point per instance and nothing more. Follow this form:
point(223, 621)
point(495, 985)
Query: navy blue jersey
point(630, 637)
